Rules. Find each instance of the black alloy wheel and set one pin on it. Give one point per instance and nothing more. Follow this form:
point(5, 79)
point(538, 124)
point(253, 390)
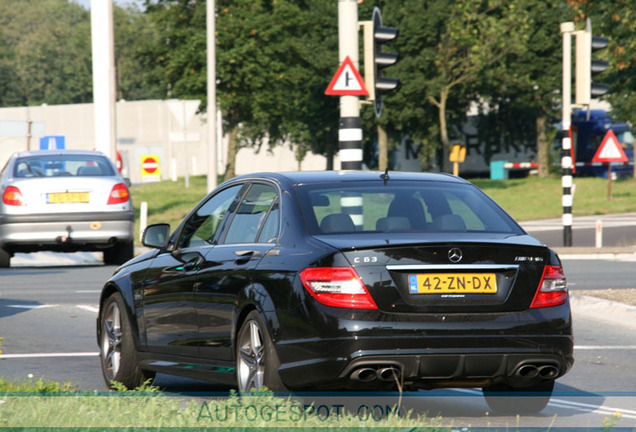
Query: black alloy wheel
point(117, 350)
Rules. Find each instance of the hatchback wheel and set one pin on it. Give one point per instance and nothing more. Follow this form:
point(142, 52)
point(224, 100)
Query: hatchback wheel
point(119, 254)
point(117, 350)
point(503, 399)
point(256, 359)
point(5, 258)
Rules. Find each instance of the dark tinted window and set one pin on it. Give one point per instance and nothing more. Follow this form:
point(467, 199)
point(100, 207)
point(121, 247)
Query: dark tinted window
point(401, 206)
point(249, 220)
point(202, 227)
point(56, 165)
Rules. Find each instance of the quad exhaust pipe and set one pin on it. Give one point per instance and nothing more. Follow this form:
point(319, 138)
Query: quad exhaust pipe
point(368, 374)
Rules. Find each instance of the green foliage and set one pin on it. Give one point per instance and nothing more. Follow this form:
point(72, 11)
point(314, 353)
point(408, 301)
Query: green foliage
point(617, 21)
point(275, 59)
point(32, 385)
point(44, 57)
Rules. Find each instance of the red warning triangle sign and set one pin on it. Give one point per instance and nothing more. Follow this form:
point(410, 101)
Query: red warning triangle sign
point(347, 81)
point(610, 150)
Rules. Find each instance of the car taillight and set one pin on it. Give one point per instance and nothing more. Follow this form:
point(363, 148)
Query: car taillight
point(12, 196)
point(119, 194)
point(337, 287)
point(553, 288)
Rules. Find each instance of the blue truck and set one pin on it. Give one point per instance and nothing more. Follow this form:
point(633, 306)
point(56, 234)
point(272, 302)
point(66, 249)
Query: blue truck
point(587, 135)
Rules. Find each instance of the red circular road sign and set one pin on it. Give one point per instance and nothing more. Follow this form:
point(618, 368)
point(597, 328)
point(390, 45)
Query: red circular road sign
point(150, 165)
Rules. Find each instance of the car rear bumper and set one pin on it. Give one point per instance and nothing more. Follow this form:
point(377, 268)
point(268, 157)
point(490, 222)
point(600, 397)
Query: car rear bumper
point(472, 350)
point(70, 231)
point(523, 362)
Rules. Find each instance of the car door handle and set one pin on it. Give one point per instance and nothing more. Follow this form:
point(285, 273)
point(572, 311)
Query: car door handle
point(193, 264)
point(245, 255)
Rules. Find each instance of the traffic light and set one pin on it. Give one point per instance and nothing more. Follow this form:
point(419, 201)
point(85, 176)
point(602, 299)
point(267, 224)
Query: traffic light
point(586, 67)
point(375, 60)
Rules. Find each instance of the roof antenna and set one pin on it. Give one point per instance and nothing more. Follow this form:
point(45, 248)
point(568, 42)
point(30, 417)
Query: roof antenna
point(385, 176)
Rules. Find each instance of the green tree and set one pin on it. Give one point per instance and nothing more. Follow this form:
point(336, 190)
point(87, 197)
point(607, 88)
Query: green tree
point(270, 69)
point(447, 53)
point(523, 93)
point(614, 20)
point(45, 54)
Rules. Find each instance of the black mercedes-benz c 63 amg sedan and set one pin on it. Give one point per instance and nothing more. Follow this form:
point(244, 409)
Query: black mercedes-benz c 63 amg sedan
point(342, 280)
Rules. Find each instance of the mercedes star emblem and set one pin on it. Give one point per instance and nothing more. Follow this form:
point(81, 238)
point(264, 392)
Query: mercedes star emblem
point(455, 255)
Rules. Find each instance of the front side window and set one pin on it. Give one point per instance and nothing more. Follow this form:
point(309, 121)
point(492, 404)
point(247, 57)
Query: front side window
point(202, 227)
point(401, 206)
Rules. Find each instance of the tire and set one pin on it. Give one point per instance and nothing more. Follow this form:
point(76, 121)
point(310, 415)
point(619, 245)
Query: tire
point(256, 359)
point(117, 349)
point(5, 258)
point(507, 400)
point(119, 254)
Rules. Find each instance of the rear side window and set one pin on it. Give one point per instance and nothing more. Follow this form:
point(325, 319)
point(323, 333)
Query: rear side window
point(256, 218)
point(56, 165)
point(401, 207)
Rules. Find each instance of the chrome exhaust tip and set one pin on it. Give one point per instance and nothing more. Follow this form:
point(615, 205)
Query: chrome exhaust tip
point(389, 374)
point(364, 374)
point(527, 371)
point(548, 371)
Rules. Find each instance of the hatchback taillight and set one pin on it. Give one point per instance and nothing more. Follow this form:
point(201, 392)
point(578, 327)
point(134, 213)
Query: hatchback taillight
point(338, 287)
point(12, 196)
point(553, 288)
point(119, 194)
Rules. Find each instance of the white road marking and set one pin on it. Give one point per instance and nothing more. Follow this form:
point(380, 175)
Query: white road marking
point(89, 308)
point(576, 406)
point(597, 409)
point(48, 355)
point(605, 347)
point(94, 309)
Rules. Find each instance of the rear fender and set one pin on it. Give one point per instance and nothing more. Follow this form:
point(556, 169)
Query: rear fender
point(255, 297)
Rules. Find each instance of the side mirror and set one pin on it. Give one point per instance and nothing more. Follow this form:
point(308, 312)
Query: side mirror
point(156, 236)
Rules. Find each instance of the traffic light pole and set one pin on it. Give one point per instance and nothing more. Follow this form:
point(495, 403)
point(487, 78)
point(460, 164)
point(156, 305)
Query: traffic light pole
point(350, 128)
point(567, 29)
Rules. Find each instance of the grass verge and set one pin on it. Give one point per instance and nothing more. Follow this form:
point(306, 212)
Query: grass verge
point(47, 406)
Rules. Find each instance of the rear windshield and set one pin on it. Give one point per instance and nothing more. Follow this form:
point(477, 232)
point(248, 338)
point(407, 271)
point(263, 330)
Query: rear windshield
point(56, 165)
point(401, 206)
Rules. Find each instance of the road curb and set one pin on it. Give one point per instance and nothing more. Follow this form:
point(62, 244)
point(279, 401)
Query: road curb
point(603, 310)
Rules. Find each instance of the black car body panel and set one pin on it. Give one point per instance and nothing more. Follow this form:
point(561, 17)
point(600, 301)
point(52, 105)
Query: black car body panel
point(188, 301)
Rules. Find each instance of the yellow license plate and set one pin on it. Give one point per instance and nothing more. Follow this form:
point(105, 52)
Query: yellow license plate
point(455, 283)
point(67, 197)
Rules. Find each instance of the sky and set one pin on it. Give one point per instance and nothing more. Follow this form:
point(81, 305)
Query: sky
point(87, 3)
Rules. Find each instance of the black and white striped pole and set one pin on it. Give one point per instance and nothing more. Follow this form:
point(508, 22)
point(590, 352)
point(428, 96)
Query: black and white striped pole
point(567, 30)
point(350, 129)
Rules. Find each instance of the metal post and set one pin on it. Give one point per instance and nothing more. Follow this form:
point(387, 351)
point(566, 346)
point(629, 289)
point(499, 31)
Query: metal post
point(350, 131)
point(104, 85)
point(566, 155)
point(211, 60)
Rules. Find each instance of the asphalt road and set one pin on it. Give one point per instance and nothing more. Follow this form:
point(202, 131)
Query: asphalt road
point(47, 319)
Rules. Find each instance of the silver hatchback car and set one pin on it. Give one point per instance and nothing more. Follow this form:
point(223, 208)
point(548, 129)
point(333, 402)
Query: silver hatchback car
point(65, 201)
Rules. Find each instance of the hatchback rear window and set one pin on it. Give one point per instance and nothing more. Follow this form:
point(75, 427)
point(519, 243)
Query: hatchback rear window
point(401, 206)
point(56, 165)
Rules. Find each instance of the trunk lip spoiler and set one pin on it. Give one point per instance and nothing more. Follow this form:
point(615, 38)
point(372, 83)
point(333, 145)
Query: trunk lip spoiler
point(425, 267)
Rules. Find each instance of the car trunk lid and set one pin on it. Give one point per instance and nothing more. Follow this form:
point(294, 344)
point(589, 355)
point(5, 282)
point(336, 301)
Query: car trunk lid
point(449, 277)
